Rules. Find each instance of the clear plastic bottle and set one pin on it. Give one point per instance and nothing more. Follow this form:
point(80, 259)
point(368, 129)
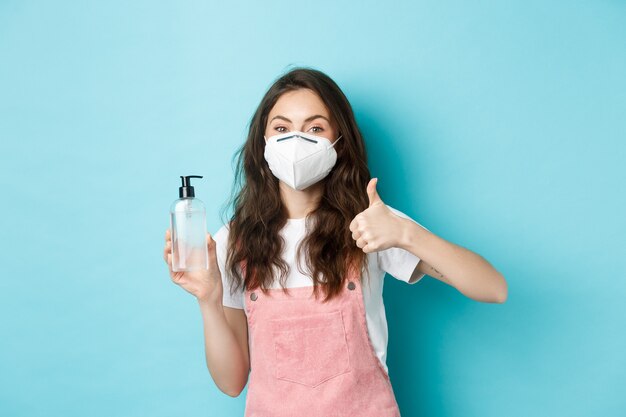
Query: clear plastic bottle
point(188, 230)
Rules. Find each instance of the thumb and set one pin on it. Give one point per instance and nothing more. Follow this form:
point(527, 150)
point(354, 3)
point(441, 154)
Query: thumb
point(372, 193)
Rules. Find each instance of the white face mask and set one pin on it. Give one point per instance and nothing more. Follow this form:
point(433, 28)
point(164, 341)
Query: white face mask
point(300, 159)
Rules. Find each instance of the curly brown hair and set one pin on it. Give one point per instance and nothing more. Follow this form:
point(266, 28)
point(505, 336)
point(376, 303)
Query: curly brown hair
point(254, 244)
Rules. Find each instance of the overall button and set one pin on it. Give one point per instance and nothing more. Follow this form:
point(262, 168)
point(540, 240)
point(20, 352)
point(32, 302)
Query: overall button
point(253, 296)
point(351, 286)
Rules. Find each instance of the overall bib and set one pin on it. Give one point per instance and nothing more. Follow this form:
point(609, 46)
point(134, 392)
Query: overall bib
point(310, 359)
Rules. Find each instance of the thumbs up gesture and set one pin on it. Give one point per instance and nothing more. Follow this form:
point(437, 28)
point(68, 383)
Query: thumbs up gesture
point(376, 228)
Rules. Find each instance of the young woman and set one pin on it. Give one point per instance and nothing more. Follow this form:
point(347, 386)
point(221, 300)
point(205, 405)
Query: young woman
point(292, 300)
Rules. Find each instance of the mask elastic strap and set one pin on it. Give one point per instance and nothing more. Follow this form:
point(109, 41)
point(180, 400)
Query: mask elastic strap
point(337, 140)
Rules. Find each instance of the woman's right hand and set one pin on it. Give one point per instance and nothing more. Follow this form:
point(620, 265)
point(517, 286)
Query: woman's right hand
point(205, 284)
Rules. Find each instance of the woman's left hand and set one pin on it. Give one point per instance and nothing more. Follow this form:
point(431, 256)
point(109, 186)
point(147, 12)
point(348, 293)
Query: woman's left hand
point(376, 228)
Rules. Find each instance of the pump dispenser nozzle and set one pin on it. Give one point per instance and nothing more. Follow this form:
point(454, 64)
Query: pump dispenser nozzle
point(187, 190)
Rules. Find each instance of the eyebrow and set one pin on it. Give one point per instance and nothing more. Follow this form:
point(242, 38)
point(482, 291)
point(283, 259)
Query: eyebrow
point(308, 119)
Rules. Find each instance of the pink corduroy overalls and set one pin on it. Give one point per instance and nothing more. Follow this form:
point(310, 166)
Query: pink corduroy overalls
point(310, 359)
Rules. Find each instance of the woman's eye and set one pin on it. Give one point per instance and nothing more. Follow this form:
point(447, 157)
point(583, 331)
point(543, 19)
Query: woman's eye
point(280, 129)
point(319, 129)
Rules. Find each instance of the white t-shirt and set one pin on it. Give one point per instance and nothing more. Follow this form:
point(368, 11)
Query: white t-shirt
point(398, 262)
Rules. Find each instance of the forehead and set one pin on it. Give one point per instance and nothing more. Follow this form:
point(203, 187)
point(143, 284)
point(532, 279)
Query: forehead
point(299, 103)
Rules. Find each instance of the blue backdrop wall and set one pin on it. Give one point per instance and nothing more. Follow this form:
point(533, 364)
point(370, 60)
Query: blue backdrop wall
point(500, 126)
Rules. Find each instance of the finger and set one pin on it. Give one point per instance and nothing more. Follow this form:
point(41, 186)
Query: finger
point(368, 248)
point(175, 276)
point(167, 234)
point(167, 249)
point(212, 249)
point(361, 242)
point(353, 225)
point(372, 194)
point(169, 264)
point(356, 235)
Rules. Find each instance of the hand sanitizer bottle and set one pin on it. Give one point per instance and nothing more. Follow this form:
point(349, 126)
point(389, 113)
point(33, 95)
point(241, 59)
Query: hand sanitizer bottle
point(188, 230)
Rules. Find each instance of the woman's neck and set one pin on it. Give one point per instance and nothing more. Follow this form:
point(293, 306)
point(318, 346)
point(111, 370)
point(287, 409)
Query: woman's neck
point(300, 203)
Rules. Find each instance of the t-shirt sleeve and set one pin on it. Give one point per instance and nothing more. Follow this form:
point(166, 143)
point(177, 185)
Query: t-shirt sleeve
point(229, 300)
point(399, 262)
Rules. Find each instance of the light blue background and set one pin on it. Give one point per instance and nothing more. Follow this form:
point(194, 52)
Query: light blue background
point(500, 126)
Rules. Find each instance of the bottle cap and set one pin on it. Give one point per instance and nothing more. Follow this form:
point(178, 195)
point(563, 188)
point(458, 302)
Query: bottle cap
point(187, 190)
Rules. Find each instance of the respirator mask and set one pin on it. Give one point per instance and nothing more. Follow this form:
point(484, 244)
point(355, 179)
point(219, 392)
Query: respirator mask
point(300, 159)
